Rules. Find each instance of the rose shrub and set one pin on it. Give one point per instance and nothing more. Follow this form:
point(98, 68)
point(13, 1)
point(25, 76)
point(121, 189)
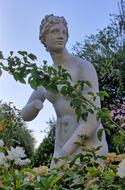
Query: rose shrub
point(84, 172)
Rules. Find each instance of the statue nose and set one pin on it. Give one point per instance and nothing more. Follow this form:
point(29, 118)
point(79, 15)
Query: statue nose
point(61, 35)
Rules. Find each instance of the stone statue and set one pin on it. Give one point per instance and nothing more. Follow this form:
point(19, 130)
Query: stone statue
point(54, 36)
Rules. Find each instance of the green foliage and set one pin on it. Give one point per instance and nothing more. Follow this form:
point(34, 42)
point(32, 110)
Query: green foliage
point(43, 154)
point(59, 81)
point(16, 173)
point(50, 78)
point(86, 171)
point(15, 133)
point(106, 51)
point(116, 138)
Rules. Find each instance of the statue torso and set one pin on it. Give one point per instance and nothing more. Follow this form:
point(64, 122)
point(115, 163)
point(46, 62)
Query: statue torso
point(66, 119)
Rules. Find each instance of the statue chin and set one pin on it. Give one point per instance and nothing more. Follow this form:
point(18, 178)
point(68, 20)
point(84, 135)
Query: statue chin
point(58, 49)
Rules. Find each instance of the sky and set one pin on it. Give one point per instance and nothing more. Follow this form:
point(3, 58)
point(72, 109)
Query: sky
point(19, 30)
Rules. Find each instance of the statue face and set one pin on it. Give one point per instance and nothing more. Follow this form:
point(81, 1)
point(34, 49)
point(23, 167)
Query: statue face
point(56, 38)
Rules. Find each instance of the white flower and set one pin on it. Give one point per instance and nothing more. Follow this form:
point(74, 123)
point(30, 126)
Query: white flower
point(2, 158)
point(20, 162)
point(38, 178)
point(26, 180)
point(121, 169)
point(16, 153)
point(1, 143)
point(17, 172)
point(27, 161)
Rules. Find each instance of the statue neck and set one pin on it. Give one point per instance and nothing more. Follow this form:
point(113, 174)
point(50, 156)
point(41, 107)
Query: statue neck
point(60, 58)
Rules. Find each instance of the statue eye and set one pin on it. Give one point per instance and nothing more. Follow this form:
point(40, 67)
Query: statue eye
point(54, 31)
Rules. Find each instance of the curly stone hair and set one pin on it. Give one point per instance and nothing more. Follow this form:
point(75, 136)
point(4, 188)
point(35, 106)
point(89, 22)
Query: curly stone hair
point(48, 22)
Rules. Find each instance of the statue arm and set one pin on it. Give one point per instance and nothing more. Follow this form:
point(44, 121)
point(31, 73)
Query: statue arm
point(88, 127)
point(34, 105)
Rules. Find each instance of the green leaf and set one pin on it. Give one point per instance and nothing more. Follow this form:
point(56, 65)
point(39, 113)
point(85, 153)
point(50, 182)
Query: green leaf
point(1, 55)
point(52, 88)
point(76, 157)
point(32, 56)
point(69, 76)
point(0, 72)
point(99, 134)
point(103, 94)
point(91, 111)
point(11, 53)
point(22, 80)
point(5, 68)
point(88, 83)
point(90, 93)
point(25, 59)
point(33, 83)
point(84, 115)
point(16, 75)
point(1, 64)
point(22, 53)
point(95, 187)
point(63, 90)
point(55, 180)
point(78, 114)
point(75, 103)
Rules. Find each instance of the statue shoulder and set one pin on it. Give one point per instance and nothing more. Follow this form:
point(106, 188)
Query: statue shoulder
point(83, 65)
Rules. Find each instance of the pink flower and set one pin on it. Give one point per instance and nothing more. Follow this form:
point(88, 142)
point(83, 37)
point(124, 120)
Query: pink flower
point(123, 106)
point(117, 116)
point(122, 117)
point(123, 125)
point(113, 113)
point(118, 110)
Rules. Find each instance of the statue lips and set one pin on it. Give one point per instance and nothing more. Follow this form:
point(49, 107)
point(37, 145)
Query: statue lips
point(59, 42)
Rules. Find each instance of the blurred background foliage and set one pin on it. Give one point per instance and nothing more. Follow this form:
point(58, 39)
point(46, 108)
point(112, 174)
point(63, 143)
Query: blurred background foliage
point(13, 129)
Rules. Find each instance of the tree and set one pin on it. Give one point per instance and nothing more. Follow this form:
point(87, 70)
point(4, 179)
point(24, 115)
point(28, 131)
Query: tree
point(44, 152)
point(13, 130)
point(106, 50)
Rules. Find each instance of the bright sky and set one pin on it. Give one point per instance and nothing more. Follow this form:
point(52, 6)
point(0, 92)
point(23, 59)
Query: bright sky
point(19, 30)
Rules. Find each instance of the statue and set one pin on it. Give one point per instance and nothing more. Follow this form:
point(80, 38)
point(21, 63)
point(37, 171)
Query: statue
point(54, 36)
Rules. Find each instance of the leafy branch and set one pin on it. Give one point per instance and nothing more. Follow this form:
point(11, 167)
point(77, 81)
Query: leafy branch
point(25, 70)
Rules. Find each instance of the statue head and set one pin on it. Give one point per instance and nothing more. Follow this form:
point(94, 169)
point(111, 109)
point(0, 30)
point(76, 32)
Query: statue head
point(47, 23)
